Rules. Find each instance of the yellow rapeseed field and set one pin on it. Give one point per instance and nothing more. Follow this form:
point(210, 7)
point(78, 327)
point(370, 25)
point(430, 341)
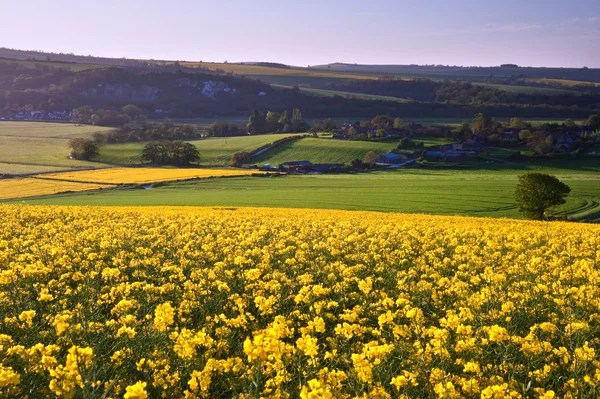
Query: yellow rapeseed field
point(31, 187)
point(141, 303)
point(144, 175)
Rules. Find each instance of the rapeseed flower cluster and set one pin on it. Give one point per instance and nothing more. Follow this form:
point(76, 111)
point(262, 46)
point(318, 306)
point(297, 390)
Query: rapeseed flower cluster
point(33, 187)
point(152, 302)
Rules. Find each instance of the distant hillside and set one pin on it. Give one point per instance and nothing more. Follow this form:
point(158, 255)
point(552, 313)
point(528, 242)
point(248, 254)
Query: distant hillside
point(52, 83)
point(468, 73)
point(67, 58)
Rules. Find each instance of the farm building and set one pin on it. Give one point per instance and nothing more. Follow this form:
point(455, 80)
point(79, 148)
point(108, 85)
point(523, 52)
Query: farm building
point(296, 166)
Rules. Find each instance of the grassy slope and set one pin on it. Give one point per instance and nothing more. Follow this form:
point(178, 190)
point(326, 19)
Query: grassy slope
point(526, 89)
point(477, 193)
point(254, 70)
point(318, 77)
point(213, 151)
point(20, 169)
point(564, 82)
point(322, 151)
point(33, 145)
point(57, 65)
point(333, 93)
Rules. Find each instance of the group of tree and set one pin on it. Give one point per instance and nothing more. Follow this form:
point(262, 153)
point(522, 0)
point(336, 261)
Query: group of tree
point(461, 92)
point(83, 149)
point(177, 152)
point(538, 137)
point(240, 158)
point(107, 117)
point(275, 122)
point(136, 132)
point(325, 125)
point(227, 129)
point(408, 144)
point(537, 141)
point(378, 127)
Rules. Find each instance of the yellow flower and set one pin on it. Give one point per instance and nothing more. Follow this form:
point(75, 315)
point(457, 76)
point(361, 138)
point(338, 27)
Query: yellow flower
point(129, 331)
point(27, 316)
point(399, 381)
point(498, 334)
point(585, 353)
point(308, 345)
point(163, 317)
point(8, 377)
point(315, 390)
point(136, 391)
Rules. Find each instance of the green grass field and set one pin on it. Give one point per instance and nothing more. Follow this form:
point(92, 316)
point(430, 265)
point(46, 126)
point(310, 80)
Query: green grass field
point(322, 151)
point(213, 151)
point(449, 192)
point(333, 93)
point(31, 147)
point(58, 65)
point(255, 70)
point(526, 89)
point(563, 82)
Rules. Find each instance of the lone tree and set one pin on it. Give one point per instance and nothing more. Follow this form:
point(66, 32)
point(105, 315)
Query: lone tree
point(83, 149)
point(240, 158)
point(593, 122)
point(370, 158)
point(536, 192)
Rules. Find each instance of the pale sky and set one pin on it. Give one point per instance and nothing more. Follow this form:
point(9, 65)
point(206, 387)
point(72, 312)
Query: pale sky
point(310, 32)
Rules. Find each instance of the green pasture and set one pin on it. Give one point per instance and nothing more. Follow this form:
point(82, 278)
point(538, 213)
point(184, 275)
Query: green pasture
point(526, 89)
point(322, 150)
point(213, 151)
point(31, 147)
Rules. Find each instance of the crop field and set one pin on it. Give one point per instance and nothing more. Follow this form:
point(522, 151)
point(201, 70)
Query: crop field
point(253, 70)
point(76, 67)
point(333, 93)
point(47, 130)
point(38, 147)
point(143, 175)
point(31, 187)
point(213, 151)
point(488, 192)
point(526, 89)
point(22, 169)
point(322, 151)
point(564, 82)
point(247, 303)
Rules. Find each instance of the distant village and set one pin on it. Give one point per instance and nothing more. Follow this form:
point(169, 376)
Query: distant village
point(468, 142)
point(38, 116)
point(464, 143)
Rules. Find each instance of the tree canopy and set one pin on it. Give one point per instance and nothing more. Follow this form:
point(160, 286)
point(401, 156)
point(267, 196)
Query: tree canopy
point(536, 192)
point(83, 149)
point(170, 153)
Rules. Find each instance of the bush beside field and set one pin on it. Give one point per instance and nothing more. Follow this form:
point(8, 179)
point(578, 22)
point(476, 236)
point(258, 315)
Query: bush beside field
point(202, 302)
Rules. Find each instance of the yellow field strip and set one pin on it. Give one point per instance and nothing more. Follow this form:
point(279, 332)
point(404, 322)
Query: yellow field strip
point(32, 187)
point(143, 175)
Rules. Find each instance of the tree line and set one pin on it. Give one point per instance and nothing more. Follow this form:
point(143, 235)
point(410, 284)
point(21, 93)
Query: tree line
point(262, 123)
